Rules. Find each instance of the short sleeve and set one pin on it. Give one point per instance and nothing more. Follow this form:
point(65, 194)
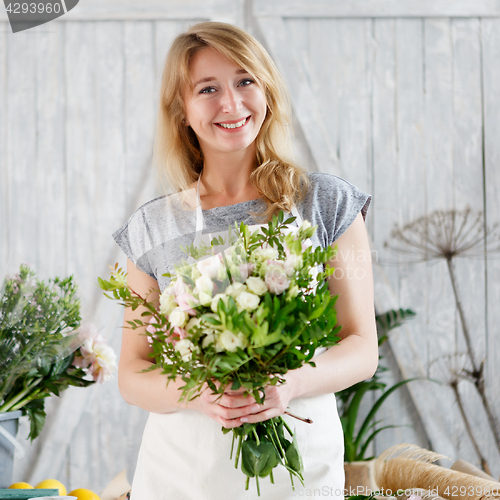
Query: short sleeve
point(332, 203)
point(152, 238)
point(131, 239)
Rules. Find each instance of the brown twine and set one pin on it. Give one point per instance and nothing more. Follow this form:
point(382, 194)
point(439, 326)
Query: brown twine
point(407, 466)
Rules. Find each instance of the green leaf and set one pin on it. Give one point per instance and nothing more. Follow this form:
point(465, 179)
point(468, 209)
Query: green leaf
point(258, 459)
point(294, 460)
point(350, 415)
point(390, 320)
point(51, 387)
point(36, 414)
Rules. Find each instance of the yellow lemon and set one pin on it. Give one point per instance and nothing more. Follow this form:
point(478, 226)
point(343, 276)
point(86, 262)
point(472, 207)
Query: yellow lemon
point(84, 494)
point(52, 484)
point(21, 486)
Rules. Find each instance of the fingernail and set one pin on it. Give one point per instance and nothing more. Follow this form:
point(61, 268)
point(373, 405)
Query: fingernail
point(244, 419)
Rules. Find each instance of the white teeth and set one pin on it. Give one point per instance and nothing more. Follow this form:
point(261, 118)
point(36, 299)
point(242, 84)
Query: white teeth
point(233, 125)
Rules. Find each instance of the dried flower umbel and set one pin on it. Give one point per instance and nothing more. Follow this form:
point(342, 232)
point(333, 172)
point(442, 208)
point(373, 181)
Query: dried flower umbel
point(446, 235)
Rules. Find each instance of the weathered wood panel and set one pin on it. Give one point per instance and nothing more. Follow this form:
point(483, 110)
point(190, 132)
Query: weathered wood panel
point(438, 164)
point(231, 11)
point(376, 8)
point(21, 149)
point(468, 183)
point(490, 45)
point(305, 105)
point(390, 92)
point(4, 172)
point(49, 171)
point(235, 10)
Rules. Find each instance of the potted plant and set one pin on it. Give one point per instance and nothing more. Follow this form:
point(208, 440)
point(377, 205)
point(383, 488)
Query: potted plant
point(358, 435)
point(42, 354)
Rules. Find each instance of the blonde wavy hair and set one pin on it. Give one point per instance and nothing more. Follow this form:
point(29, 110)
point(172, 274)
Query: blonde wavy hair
point(177, 153)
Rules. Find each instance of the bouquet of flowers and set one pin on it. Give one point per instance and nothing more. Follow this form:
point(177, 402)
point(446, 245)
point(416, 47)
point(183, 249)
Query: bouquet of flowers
point(42, 352)
point(241, 318)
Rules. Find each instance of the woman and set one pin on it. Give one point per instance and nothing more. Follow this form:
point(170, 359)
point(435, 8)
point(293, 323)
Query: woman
point(222, 134)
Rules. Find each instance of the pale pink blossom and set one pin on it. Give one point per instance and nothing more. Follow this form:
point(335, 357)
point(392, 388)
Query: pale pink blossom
point(181, 332)
point(246, 270)
point(97, 358)
point(89, 331)
point(210, 267)
point(276, 279)
point(186, 302)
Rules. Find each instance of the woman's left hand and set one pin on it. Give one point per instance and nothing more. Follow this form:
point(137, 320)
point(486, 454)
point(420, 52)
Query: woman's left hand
point(275, 404)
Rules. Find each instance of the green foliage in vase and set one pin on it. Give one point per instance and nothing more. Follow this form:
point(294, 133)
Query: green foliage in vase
point(37, 321)
point(357, 438)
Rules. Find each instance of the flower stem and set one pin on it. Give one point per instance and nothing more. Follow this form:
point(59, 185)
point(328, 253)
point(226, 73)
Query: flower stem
point(238, 452)
point(278, 439)
point(484, 463)
point(232, 446)
point(477, 371)
point(302, 419)
point(17, 400)
point(256, 436)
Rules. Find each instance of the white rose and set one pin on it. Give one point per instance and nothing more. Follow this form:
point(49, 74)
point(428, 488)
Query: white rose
point(204, 298)
point(204, 284)
point(305, 225)
point(235, 289)
point(177, 317)
point(185, 348)
point(208, 340)
point(292, 263)
point(256, 285)
point(247, 300)
point(215, 301)
point(230, 342)
point(266, 252)
point(209, 267)
point(192, 324)
point(167, 302)
point(276, 279)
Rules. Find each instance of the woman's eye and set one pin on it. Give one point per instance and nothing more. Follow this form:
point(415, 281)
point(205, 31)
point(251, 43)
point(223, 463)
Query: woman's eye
point(246, 81)
point(207, 90)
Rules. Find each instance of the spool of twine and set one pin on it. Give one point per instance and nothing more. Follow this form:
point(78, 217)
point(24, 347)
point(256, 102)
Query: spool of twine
point(407, 466)
point(463, 466)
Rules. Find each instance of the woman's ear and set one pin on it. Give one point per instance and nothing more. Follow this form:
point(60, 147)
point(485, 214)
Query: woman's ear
point(185, 122)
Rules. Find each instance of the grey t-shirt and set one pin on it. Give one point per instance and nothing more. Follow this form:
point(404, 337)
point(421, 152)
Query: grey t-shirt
point(153, 237)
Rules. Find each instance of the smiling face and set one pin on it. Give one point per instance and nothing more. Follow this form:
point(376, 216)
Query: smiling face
point(225, 106)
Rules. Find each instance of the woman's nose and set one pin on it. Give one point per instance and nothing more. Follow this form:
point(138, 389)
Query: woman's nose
point(230, 101)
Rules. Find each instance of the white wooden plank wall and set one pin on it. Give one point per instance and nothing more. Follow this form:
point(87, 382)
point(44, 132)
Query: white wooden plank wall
point(490, 47)
point(400, 112)
point(399, 106)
